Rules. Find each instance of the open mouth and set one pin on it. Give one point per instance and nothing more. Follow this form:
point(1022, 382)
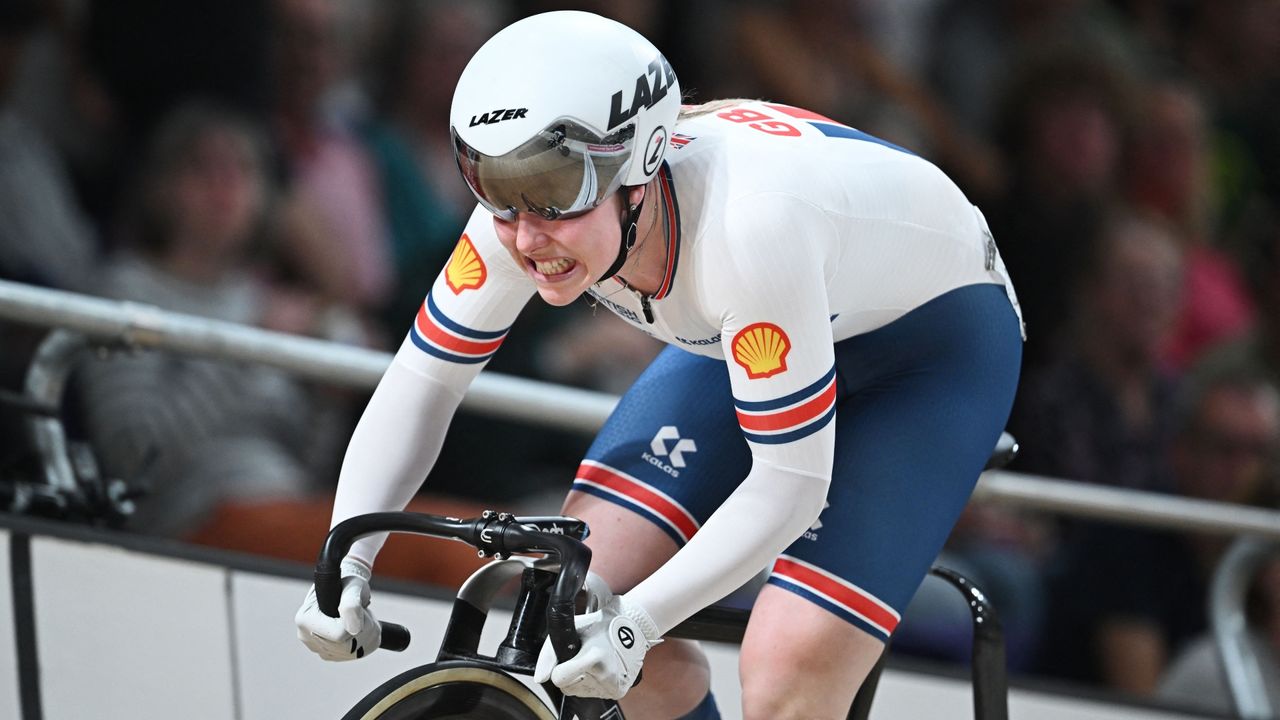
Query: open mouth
point(553, 268)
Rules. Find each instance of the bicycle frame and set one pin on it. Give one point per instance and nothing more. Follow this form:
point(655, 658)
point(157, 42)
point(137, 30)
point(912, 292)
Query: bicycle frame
point(544, 591)
point(546, 603)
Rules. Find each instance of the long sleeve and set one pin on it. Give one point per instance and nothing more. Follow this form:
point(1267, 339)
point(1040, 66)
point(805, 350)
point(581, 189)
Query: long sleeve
point(460, 325)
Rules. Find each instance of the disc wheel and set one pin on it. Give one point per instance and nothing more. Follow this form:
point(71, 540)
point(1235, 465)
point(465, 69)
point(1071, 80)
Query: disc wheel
point(451, 691)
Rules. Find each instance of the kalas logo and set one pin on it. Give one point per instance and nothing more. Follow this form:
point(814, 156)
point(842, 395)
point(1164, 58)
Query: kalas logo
point(676, 454)
point(812, 532)
point(646, 96)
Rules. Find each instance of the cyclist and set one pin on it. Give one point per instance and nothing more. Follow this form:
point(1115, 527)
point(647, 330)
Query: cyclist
point(844, 336)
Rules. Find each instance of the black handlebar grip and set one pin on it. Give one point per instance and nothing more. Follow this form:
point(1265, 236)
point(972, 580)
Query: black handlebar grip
point(328, 590)
point(394, 637)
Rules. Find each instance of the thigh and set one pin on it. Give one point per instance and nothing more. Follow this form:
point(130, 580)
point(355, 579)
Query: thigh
point(923, 401)
point(668, 456)
point(665, 460)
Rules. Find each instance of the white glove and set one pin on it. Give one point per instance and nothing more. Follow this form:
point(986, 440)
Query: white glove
point(615, 637)
point(355, 632)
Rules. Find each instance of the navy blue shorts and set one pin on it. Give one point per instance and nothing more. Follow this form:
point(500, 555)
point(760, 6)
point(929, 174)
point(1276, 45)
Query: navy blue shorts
point(920, 405)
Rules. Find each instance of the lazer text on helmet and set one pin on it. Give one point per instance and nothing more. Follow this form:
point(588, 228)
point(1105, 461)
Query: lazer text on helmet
point(496, 116)
point(646, 96)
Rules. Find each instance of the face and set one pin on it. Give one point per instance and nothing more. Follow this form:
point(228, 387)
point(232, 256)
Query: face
point(1076, 141)
point(1169, 156)
point(1135, 296)
point(564, 257)
point(215, 198)
point(1225, 454)
point(308, 50)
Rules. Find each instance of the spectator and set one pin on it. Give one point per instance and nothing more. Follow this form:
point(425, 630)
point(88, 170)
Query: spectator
point(1195, 678)
point(819, 54)
point(1097, 412)
point(1259, 350)
point(45, 238)
point(1167, 174)
point(333, 237)
point(197, 434)
point(1064, 125)
point(142, 58)
point(425, 206)
point(1230, 51)
point(54, 90)
point(1100, 412)
point(1133, 598)
point(979, 48)
point(229, 455)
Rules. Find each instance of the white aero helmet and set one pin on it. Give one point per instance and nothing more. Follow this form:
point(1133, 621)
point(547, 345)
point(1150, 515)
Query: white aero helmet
point(558, 111)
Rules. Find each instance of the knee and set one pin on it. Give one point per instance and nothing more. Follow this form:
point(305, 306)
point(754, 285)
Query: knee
point(760, 703)
point(800, 661)
point(770, 697)
point(768, 694)
point(675, 679)
point(781, 685)
point(680, 663)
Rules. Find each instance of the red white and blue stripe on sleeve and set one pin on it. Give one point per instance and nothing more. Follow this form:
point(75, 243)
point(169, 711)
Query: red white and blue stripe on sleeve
point(791, 417)
point(436, 334)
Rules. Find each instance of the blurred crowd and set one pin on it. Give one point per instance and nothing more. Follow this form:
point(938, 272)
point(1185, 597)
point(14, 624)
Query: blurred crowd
point(286, 164)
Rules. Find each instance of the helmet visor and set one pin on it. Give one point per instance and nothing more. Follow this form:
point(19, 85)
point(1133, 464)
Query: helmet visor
point(562, 171)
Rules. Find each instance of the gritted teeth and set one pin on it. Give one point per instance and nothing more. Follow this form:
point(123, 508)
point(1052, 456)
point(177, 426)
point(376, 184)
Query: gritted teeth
point(553, 267)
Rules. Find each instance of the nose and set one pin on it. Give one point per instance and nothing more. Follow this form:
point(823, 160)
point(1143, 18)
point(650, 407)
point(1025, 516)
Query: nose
point(532, 233)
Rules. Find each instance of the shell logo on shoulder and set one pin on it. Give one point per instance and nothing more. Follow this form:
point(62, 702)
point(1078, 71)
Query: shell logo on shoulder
point(761, 349)
point(466, 269)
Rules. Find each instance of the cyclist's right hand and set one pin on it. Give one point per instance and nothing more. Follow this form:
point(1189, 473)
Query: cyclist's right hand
point(355, 632)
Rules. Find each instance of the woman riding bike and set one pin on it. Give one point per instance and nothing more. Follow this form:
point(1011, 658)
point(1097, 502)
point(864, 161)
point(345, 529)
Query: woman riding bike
point(845, 344)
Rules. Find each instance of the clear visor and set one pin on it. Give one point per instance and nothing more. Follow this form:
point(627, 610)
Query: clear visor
point(562, 171)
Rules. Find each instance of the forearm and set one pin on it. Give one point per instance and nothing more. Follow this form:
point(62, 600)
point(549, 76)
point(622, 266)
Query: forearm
point(768, 511)
point(392, 449)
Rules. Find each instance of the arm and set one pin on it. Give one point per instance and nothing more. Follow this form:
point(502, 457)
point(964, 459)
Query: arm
point(772, 291)
point(1131, 654)
point(771, 508)
point(460, 325)
point(393, 447)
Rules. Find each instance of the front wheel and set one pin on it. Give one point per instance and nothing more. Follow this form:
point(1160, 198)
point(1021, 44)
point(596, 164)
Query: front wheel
point(454, 690)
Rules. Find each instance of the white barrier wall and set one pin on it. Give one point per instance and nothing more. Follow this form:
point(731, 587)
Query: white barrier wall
point(8, 652)
point(911, 695)
point(279, 678)
point(127, 635)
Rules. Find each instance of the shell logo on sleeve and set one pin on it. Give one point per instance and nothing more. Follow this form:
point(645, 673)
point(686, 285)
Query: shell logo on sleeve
point(466, 269)
point(761, 349)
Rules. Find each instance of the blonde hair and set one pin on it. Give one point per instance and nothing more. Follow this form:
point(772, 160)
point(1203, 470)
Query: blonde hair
point(688, 112)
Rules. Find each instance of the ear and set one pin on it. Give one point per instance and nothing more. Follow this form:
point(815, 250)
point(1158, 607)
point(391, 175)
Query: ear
point(635, 195)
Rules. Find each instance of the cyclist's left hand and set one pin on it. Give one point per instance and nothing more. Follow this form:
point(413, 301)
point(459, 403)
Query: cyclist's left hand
point(615, 638)
point(355, 632)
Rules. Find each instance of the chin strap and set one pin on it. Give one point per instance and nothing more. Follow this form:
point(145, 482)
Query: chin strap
point(628, 240)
